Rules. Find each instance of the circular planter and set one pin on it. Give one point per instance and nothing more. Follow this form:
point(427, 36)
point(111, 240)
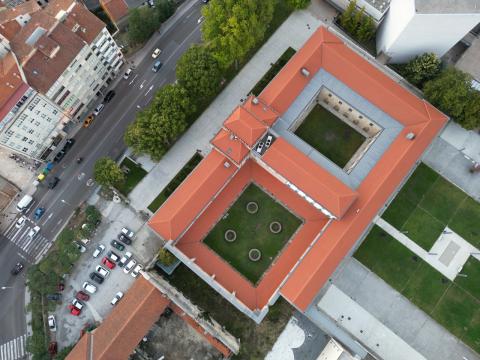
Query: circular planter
point(275, 227)
point(230, 235)
point(254, 255)
point(252, 207)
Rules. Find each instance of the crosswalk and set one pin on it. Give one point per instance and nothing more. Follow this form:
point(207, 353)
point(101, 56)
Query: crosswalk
point(34, 248)
point(14, 349)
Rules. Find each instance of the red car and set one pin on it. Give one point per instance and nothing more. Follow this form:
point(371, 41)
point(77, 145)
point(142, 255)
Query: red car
point(82, 296)
point(109, 263)
point(73, 310)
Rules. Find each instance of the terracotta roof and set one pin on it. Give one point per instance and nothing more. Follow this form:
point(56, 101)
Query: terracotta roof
point(10, 81)
point(27, 7)
point(9, 29)
point(309, 177)
point(244, 125)
point(191, 197)
point(116, 9)
point(260, 110)
point(90, 25)
point(230, 146)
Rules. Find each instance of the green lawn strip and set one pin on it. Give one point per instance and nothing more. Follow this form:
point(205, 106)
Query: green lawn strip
point(329, 135)
point(470, 283)
point(466, 221)
point(255, 340)
point(442, 199)
point(399, 210)
point(132, 178)
point(423, 228)
point(274, 70)
point(175, 182)
point(252, 232)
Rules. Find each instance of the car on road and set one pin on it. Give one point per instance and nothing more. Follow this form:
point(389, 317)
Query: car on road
point(69, 143)
point(88, 121)
point(113, 256)
point(125, 259)
point(89, 287)
point(156, 53)
point(38, 213)
point(200, 19)
point(53, 182)
point(131, 264)
point(109, 96)
point(52, 324)
point(156, 66)
point(124, 239)
point(59, 156)
point(117, 245)
point(108, 263)
point(117, 298)
point(80, 295)
point(127, 73)
point(80, 247)
point(98, 109)
point(136, 271)
point(33, 232)
point(54, 297)
point(17, 268)
point(96, 277)
point(127, 232)
point(98, 250)
point(20, 222)
point(102, 271)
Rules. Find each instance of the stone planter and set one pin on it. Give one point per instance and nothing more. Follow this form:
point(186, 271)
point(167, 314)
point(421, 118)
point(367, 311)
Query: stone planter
point(230, 235)
point(254, 255)
point(275, 227)
point(252, 207)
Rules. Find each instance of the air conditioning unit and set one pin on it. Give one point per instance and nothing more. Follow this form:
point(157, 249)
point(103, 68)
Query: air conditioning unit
point(255, 101)
point(226, 164)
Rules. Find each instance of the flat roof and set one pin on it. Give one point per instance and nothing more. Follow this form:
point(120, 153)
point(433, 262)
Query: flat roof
point(447, 6)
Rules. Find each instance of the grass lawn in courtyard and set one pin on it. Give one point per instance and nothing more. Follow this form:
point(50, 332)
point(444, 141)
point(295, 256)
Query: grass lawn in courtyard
point(252, 231)
point(329, 135)
point(175, 182)
point(455, 305)
point(135, 174)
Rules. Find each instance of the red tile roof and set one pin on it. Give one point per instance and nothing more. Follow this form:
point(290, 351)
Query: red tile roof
point(260, 110)
point(244, 125)
point(115, 9)
point(230, 146)
point(10, 82)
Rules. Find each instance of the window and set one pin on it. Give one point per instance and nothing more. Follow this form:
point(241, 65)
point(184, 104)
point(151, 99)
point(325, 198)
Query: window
point(88, 56)
point(24, 139)
point(31, 131)
point(54, 112)
point(25, 149)
point(30, 142)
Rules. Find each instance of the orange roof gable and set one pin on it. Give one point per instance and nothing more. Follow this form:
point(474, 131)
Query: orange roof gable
point(191, 197)
point(230, 146)
point(309, 177)
point(243, 124)
point(116, 9)
point(260, 110)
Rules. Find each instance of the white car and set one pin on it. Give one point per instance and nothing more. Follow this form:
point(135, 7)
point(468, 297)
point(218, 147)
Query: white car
point(128, 233)
point(127, 73)
point(268, 142)
point(20, 222)
point(77, 304)
point(100, 249)
point(92, 289)
point(125, 259)
point(156, 52)
point(117, 298)
point(136, 271)
point(102, 271)
point(260, 147)
point(52, 324)
point(33, 232)
point(131, 264)
point(98, 109)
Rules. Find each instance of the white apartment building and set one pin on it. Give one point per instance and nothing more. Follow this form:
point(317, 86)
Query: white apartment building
point(414, 27)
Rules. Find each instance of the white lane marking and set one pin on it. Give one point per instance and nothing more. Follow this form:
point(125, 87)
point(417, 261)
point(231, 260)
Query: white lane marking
point(48, 218)
point(141, 85)
point(131, 82)
point(149, 89)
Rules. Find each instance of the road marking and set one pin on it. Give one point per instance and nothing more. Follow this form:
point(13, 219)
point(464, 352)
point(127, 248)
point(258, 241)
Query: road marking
point(149, 89)
point(131, 82)
point(48, 218)
point(14, 349)
point(141, 85)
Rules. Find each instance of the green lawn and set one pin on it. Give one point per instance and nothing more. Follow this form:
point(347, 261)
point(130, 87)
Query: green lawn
point(252, 232)
point(176, 181)
point(132, 178)
point(455, 305)
point(274, 70)
point(329, 135)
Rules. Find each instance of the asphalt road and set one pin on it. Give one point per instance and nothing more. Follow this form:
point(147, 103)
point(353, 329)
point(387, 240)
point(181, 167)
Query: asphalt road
point(104, 137)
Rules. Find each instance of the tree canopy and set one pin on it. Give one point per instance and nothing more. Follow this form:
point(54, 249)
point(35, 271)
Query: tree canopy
point(142, 23)
point(356, 23)
point(298, 4)
point(233, 27)
point(107, 172)
point(164, 9)
point(422, 69)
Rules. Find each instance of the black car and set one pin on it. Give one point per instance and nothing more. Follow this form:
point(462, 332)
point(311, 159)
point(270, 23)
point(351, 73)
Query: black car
point(52, 183)
point(17, 268)
point(59, 156)
point(117, 245)
point(124, 239)
point(109, 96)
point(54, 297)
point(96, 277)
point(68, 144)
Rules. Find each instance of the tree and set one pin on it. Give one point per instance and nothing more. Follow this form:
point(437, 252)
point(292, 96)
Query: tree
point(199, 73)
point(107, 172)
point(452, 93)
point(166, 257)
point(366, 29)
point(157, 127)
point(142, 23)
point(422, 69)
point(165, 9)
point(347, 17)
point(298, 4)
point(233, 27)
point(92, 215)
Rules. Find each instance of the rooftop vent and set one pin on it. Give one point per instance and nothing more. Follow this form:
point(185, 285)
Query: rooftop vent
point(410, 136)
point(255, 101)
point(61, 15)
point(305, 72)
point(75, 27)
point(226, 164)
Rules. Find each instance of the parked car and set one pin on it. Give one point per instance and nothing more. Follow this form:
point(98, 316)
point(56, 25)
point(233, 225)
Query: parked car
point(130, 265)
point(117, 245)
point(77, 304)
point(127, 232)
point(17, 268)
point(109, 96)
point(127, 73)
point(136, 271)
point(82, 296)
point(59, 156)
point(117, 298)
point(125, 259)
point(89, 287)
point(38, 213)
point(268, 142)
point(54, 297)
point(33, 232)
point(124, 239)
point(52, 348)
point(108, 263)
point(20, 222)
point(99, 249)
point(156, 53)
point(73, 310)
point(69, 143)
point(88, 121)
point(102, 271)
point(52, 324)
point(98, 109)
point(156, 66)
point(96, 277)
point(113, 256)
point(260, 147)
point(53, 182)
point(80, 247)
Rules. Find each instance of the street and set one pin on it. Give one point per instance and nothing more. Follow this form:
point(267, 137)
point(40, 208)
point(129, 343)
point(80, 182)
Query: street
point(104, 137)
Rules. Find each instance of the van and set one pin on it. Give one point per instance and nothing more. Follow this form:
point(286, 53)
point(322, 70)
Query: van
point(24, 203)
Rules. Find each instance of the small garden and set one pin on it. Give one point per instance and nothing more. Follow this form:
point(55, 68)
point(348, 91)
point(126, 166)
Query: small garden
point(134, 173)
point(325, 132)
point(252, 232)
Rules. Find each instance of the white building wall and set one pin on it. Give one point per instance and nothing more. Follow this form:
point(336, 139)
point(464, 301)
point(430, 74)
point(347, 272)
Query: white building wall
point(375, 13)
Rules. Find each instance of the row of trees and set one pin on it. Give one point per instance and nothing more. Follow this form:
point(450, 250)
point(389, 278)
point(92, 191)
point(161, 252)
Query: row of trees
point(356, 23)
point(144, 21)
